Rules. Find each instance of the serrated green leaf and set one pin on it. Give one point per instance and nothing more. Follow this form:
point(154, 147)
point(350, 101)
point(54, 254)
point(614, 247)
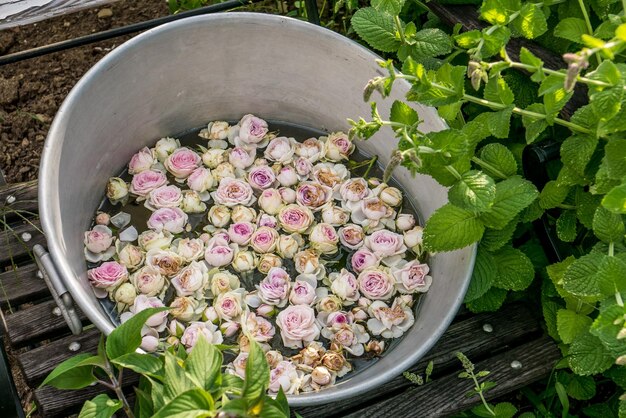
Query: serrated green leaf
point(515, 270)
point(403, 113)
point(553, 102)
point(534, 126)
point(586, 205)
point(482, 277)
point(475, 191)
point(605, 328)
point(581, 388)
point(392, 7)
point(608, 226)
point(500, 158)
point(531, 22)
point(556, 271)
point(450, 228)
point(504, 410)
point(430, 43)
point(603, 181)
point(512, 195)
point(612, 276)
point(494, 239)
point(469, 39)
point(189, 404)
point(580, 278)
point(549, 309)
point(576, 151)
point(376, 28)
point(606, 72)
point(494, 41)
point(615, 199)
point(497, 90)
point(500, 122)
point(615, 155)
point(608, 102)
point(451, 143)
point(571, 324)
point(489, 302)
point(498, 12)
point(528, 58)
point(571, 28)
point(588, 356)
point(553, 194)
point(566, 226)
point(100, 407)
point(550, 84)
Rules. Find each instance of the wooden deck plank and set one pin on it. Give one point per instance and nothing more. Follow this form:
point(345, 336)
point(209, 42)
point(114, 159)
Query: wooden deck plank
point(21, 285)
point(20, 12)
point(446, 396)
point(13, 244)
point(25, 195)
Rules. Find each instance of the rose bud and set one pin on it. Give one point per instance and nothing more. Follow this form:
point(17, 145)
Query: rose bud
point(297, 326)
point(241, 232)
point(103, 218)
point(210, 315)
point(190, 249)
point(376, 284)
point(184, 308)
point(412, 277)
point(335, 216)
point(218, 253)
point(148, 281)
point(266, 310)
point(413, 238)
point(269, 261)
point(242, 213)
point(351, 236)
point(338, 147)
point(329, 304)
point(214, 157)
point(295, 218)
point(261, 177)
point(281, 150)
point(196, 329)
point(267, 220)
point(287, 176)
point(219, 215)
point(334, 361)
point(264, 240)
point(223, 281)
point(364, 303)
point(116, 189)
point(241, 158)
point(164, 147)
point(289, 245)
point(273, 357)
point(125, 294)
point(168, 219)
point(152, 240)
point(191, 279)
point(321, 376)
point(374, 182)
point(287, 195)
point(232, 192)
point(164, 197)
point(107, 275)
point(229, 328)
point(375, 347)
point(344, 285)
point(217, 130)
point(159, 319)
point(363, 259)
point(99, 239)
point(141, 161)
point(149, 343)
point(175, 328)
point(130, 255)
point(252, 132)
point(354, 190)
point(270, 201)
point(182, 162)
point(324, 238)
point(238, 367)
point(201, 180)
point(302, 293)
point(391, 196)
point(306, 261)
point(385, 243)
point(374, 208)
point(405, 221)
point(244, 261)
point(312, 149)
point(224, 171)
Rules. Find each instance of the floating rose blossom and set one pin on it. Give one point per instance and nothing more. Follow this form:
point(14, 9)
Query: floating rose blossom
point(241, 158)
point(345, 286)
point(391, 196)
point(362, 259)
point(241, 232)
point(218, 253)
point(329, 304)
point(244, 261)
point(146, 181)
point(330, 175)
point(190, 249)
point(223, 281)
point(191, 279)
point(197, 330)
point(312, 149)
point(374, 208)
point(288, 195)
point(355, 190)
point(219, 215)
point(182, 162)
point(148, 281)
point(186, 308)
point(289, 245)
point(268, 262)
point(214, 157)
point(285, 376)
point(281, 150)
point(389, 322)
point(259, 328)
point(217, 130)
point(238, 366)
point(103, 218)
point(99, 239)
point(223, 171)
point(201, 180)
point(303, 167)
point(412, 277)
point(107, 275)
point(338, 147)
point(151, 240)
point(302, 293)
point(335, 216)
point(241, 213)
point(267, 220)
point(287, 176)
point(164, 147)
point(313, 195)
point(252, 132)
point(274, 288)
point(264, 240)
point(324, 238)
point(130, 256)
point(165, 262)
point(405, 221)
point(376, 284)
point(270, 201)
point(294, 218)
point(233, 192)
point(297, 326)
point(385, 243)
point(141, 161)
point(228, 305)
point(351, 236)
point(164, 197)
point(125, 294)
point(261, 177)
point(143, 302)
point(413, 238)
point(168, 219)
point(308, 262)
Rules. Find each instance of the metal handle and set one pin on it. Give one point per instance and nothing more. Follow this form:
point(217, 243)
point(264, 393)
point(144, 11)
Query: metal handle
point(58, 290)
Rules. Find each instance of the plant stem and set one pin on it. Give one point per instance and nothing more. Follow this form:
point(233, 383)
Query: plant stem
point(454, 172)
point(583, 9)
point(398, 22)
point(480, 393)
point(116, 383)
point(488, 166)
point(370, 165)
point(530, 68)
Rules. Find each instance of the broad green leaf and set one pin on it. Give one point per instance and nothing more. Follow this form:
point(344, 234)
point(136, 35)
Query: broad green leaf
point(450, 228)
point(528, 58)
point(571, 28)
point(271, 409)
point(494, 41)
point(500, 122)
point(376, 28)
point(615, 154)
point(571, 324)
point(605, 30)
point(469, 39)
point(581, 388)
point(608, 102)
point(504, 410)
point(553, 103)
point(497, 90)
point(580, 278)
point(500, 158)
point(475, 191)
point(588, 356)
point(549, 309)
point(191, 403)
point(512, 195)
point(531, 22)
point(140, 363)
point(576, 151)
point(430, 43)
point(606, 72)
point(606, 329)
point(489, 302)
point(100, 407)
point(515, 270)
point(566, 226)
point(534, 126)
point(403, 113)
point(586, 205)
point(498, 12)
point(68, 376)
point(552, 195)
point(127, 337)
point(392, 7)
point(612, 276)
point(615, 200)
point(494, 239)
point(483, 276)
point(143, 403)
point(176, 380)
point(281, 401)
point(203, 364)
point(608, 226)
point(257, 375)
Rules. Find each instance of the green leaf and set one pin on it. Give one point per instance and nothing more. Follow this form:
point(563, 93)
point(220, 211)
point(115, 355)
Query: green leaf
point(403, 113)
point(191, 403)
point(68, 376)
point(612, 276)
point(549, 309)
point(281, 400)
point(515, 270)
point(140, 363)
point(494, 41)
point(534, 126)
point(494, 239)
point(615, 154)
point(608, 226)
point(376, 28)
point(257, 374)
point(176, 380)
point(571, 28)
point(392, 7)
point(553, 194)
point(580, 278)
point(571, 324)
point(608, 102)
point(203, 364)
point(606, 328)
point(499, 157)
point(581, 388)
point(504, 410)
point(553, 103)
point(450, 228)
point(531, 22)
point(576, 151)
point(566, 226)
point(588, 356)
point(127, 337)
point(615, 200)
point(498, 12)
point(512, 195)
point(431, 42)
point(528, 58)
point(500, 122)
point(475, 191)
point(606, 72)
point(469, 39)
point(100, 407)
point(483, 275)
point(489, 302)
point(586, 205)
point(497, 90)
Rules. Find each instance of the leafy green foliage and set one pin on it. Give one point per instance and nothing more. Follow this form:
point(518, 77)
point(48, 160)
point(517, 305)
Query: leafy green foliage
point(450, 228)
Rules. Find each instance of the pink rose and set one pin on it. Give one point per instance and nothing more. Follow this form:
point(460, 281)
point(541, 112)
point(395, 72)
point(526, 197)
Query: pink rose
point(270, 201)
point(385, 243)
point(344, 285)
point(287, 176)
point(334, 215)
point(141, 161)
point(288, 195)
point(196, 329)
point(375, 209)
point(355, 190)
point(148, 281)
point(182, 162)
point(267, 220)
point(241, 232)
point(303, 166)
point(201, 180)
point(143, 302)
point(264, 240)
point(241, 158)
point(239, 364)
point(232, 192)
point(218, 253)
point(146, 181)
point(324, 238)
point(280, 149)
point(297, 326)
point(261, 177)
point(191, 279)
point(362, 259)
point(259, 328)
point(107, 275)
point(405, 221)
point(252, 130)
point(165, 262)
point(295, 218)
point(376, 284)
point(412, 277)
point(168, 219)
point(302, 293)
point(338, 147)
point(312, 149)
point(285, 376)
point(274, 288)
point(99, 239)
point(313, 195)
point(351, 236)
point(190, 249)
point(228, 305)
point(164, 197)
point(330, 175)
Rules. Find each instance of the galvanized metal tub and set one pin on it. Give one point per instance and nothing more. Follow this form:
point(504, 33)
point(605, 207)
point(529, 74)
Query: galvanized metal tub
point(185, 73)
